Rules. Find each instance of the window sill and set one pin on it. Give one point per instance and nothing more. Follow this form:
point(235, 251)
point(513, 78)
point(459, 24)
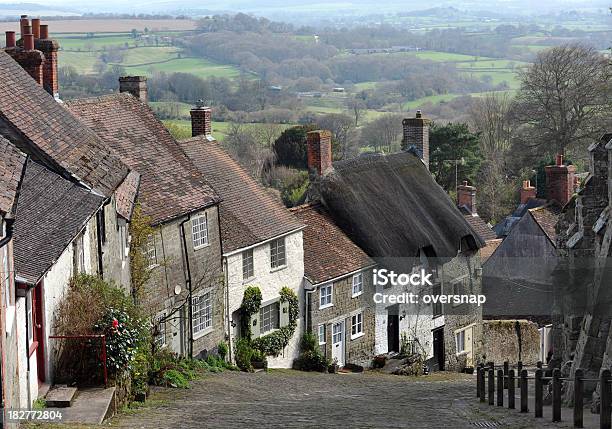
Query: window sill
point(356, 336)
point(152, 267)
point(201, 246)
point(355, 295)
point(282, 267)
point(263, 334)
point(321, 307)
point(461, 353)
point(203, 332)
point(322, 344)
point(249, 280)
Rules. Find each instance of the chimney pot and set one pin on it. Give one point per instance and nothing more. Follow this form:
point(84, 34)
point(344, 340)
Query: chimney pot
point(27, 29)
point(201, 119)
point(44, 31)
point(319, 151)
point(135, 85)
point(28, 42)
point(559, 159)
point(36, 28)
point(23, 21)
point(10, 39)
point(528, 192)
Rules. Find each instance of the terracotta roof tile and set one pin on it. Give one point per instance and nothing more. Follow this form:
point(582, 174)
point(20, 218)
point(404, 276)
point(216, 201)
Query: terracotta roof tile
point(328, 252)
point(480, 227)
point(170, 185)
point(489, 249)
point(12, 162)
point(51, 211)
point(547, 217)
point(249, 213)
point(40, 125)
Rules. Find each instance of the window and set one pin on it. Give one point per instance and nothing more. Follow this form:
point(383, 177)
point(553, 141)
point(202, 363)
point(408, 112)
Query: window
point(356, 325)
point(30, 318)
point(460, 339)
point(202, 312)
point(277, 253)
point(436, 307)
point(325, 296)
point(269, 317)
point(248, 270)
point(79, 254)
point(160, 331)
point(151, 251)
point(322, 335)
point(123, 239)
point(357, 284)
point(199, 231)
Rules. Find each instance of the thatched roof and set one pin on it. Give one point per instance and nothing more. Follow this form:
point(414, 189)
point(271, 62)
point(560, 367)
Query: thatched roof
point(391, 206)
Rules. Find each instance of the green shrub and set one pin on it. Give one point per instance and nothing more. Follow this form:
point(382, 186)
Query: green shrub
point(175, 378)
point(222, 349)
point(244, 354)
point(310, 358)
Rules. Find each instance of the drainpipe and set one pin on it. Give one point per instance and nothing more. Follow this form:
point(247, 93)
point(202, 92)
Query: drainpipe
point(10, 222)
point(227, 306)
point(99, 232)
point(189, 285)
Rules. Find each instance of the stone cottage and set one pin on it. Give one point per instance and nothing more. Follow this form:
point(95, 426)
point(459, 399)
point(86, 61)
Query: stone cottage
point(339, 290)
point(262, 240)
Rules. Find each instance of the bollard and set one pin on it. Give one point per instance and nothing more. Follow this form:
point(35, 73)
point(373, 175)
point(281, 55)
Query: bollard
point(524, 393)
point(539, 364)
point(500, 388)
point(481, 374)
point(506, 368)
point(491, 385)
point(519, 370)
point(478, 369)
point(605, 419)
point(556, 395)
point(511, 389)
point(578, 398)
point(539, 394)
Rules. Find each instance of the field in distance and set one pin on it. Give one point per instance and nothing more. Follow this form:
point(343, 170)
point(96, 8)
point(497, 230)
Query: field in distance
point(108, 25)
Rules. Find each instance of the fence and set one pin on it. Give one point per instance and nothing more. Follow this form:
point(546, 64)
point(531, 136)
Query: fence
point(507, 380)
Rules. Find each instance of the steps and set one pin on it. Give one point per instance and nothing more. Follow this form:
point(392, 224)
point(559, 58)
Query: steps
point(60, 396)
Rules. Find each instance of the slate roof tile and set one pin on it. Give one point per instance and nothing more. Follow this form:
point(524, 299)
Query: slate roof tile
point(12, 162)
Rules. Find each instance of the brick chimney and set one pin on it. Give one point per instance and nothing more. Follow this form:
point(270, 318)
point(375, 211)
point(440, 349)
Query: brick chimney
point(560, 181)
point(466, 196)
point(416, 135)
point(135, 85)
point(528, 192)
point(201, 119)
point(22, 51)
point(319, 149)
point(49, 48)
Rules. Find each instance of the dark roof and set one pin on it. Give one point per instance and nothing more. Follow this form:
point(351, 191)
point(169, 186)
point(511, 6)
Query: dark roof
point(503, 228)
point(50, 213)
point(249, 213)
point(391, 206)
point(482, 228)
point(328, 252)
point(12, 162)
point(170, 184)
point(40, 126)
point(126, 195)
point(547, 217)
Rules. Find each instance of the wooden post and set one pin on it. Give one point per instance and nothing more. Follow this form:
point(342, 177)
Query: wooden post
point(539, 364)
point(481, 374)
point(491, 384)
point(524, 393)
point(511, 389)
point(578, 398)
point(604, 387)
point(519, 370)
point(478, 369)
point(506, 368)
point(500, 388)
point(556, 395)
point(539, 394)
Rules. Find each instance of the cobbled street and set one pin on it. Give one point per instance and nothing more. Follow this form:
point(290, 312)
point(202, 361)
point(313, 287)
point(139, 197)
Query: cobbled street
point(296, 399)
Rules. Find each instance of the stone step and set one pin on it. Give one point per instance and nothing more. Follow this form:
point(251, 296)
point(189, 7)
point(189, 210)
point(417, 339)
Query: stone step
point(60, 396)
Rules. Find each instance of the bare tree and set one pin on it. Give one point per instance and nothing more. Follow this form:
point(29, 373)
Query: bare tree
point(490, 117)
point(356, 107)
point(383, 133)
point(564, 98)
point(343, 132)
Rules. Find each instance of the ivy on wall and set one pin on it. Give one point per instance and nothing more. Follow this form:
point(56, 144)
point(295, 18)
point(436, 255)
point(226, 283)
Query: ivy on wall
point(273, 343)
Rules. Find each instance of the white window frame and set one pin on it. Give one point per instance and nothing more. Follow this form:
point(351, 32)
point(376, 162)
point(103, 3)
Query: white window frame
point(357, 325)
point(151, 251)
point(321, 333)
point(202, 313)
point(248, 265)
point(460, 341)
point(161, 325)
point(357, 285)
point(265, 311)
point(199, 231)
point(326, 299)
point(275, 260)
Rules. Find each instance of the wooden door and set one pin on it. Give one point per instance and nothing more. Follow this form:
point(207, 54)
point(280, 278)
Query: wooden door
point(38, 328)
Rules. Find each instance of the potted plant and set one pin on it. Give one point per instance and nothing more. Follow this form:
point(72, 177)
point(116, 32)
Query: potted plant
point(334, 367)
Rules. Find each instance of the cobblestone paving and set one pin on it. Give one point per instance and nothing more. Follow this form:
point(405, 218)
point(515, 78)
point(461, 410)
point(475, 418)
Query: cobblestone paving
point(291, 399)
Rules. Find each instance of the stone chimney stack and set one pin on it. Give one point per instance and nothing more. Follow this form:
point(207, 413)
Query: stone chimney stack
point(319, 150)
point(135, 85)
point(528, 192)
point(466, 196)
point(416, 135)
point(560, 181)
point(201, 119)
point(49, 48)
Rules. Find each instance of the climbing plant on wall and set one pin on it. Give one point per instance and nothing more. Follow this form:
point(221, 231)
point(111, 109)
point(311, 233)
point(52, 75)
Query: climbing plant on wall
point(273, 343)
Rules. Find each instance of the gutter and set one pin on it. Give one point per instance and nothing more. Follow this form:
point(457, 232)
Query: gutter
point(189, 284)
point(259, 243)
point(10, 225)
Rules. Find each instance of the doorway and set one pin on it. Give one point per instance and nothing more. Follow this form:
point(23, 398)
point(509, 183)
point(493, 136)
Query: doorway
point(393, 337)
point(438, 349)
point(38, 330)
point(338, 342)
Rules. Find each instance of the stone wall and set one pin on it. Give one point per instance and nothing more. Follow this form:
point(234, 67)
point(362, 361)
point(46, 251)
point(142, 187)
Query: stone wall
point(500, 341)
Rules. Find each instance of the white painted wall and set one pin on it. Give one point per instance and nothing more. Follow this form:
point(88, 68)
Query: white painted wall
point(270, 283)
